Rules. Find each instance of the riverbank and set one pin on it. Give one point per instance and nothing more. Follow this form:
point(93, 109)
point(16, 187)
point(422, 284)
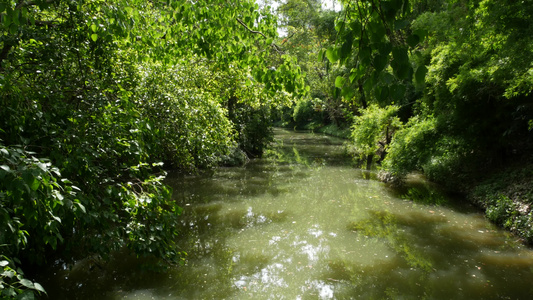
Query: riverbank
point(330, 129)
point(506, 195)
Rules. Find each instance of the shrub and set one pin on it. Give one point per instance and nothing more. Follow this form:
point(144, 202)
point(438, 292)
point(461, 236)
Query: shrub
point(307, 111)
point(373, 128)
point(412, 146)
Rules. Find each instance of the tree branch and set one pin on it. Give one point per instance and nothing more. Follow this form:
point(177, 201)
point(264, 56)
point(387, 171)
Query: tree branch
point(248, 28)
point(276, 47)
point(287, 38)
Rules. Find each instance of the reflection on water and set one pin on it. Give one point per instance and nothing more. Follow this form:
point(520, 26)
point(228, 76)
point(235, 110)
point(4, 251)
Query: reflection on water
point(303, 224)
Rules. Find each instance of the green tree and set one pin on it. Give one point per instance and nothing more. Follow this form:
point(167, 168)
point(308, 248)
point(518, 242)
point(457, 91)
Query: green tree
point(96, 95)
point(373, 130)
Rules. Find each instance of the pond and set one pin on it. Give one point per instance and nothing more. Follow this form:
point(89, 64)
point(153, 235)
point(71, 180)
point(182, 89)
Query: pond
point(303, 223)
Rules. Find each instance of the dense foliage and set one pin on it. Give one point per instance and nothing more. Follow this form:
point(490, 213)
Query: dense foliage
point(455, 77)
point(457, 71)
point(98, 96)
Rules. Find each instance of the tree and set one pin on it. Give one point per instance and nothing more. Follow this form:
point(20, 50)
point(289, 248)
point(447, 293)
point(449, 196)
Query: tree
point(96, 96)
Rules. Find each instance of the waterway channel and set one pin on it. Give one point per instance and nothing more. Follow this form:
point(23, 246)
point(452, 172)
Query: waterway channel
point(304, 223)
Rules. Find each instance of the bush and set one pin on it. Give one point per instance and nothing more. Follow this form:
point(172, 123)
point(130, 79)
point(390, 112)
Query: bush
point(187, 127)
point(253, 128)
point(412, 146)
point(373, 128)
point(308, 111)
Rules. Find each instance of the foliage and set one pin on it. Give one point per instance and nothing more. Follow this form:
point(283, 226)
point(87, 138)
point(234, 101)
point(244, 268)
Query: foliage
point(373, 43)
point(309, 28)
point(456, 71)
point(13, 283)
point(187, 127)
point(97, 95)
point(34, 201)
point(411, 146)
point(372, 130)
point(506, 197)
point(334, 130)
point(308, 111)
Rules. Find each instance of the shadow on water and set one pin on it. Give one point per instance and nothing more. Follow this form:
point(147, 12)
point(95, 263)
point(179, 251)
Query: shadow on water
point(437, 258)
point(417, 189)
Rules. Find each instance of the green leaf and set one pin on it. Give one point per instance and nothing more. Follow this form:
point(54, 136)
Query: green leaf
point(421, 34)
point(420, 74)
point(26, 295)
point(413, 40)
point(356, 27)
point(321, 55)
point(378, 33)
point(400, 55)
point(13, 28)
point(339, 81)
point(94, 37)
point(346, 48)
point(384, 48)
point(10, 292)
point(5, 168)
point(384, 94)
point(357, 74)
point(30, 180)
point(347, 92)
point(400, 24)
point(380, 61)
point(402, 71)
point(25, 282)
point(397, 92)
point(39, 288)
point(42, 166)
point(365, 55)
point(81, 207)
point(94, 28)
point(332, 55)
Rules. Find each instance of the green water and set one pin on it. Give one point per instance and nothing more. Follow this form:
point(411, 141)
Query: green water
point(303, 223)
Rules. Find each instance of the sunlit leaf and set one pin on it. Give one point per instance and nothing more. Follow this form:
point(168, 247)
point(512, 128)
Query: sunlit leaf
point(332, 55)
point(339, 81)
point(39, 287)
point(27, 283)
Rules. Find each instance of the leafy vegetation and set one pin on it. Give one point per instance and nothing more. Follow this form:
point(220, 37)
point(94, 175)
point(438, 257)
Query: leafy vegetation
point(98, 98)
point(456, 73)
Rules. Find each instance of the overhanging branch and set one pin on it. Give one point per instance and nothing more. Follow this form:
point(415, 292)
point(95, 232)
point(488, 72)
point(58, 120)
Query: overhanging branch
point(248, 28)
point(276, 47)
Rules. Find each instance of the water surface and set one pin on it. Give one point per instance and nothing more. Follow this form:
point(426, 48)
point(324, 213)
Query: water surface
point(303, 223)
